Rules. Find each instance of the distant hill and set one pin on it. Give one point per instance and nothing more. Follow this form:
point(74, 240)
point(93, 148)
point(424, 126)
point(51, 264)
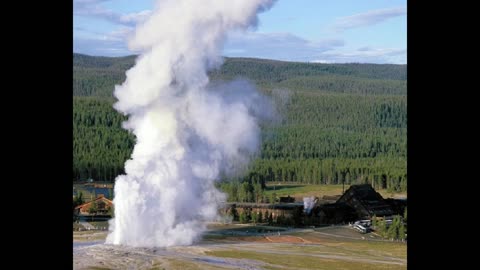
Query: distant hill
point(341, 122)
point(262, 69)
point(94, 76)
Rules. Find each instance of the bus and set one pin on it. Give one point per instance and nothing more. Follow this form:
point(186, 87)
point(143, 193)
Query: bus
point(361, 228)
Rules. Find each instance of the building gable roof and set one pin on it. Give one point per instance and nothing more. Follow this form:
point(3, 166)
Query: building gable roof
point(368, 198)
point(99, 198)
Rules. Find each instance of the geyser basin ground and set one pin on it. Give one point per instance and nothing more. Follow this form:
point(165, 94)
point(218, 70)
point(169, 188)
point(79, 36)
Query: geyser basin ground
point(249, 247)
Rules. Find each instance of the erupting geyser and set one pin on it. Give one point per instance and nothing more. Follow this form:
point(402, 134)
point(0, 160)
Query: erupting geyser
point(187, 133)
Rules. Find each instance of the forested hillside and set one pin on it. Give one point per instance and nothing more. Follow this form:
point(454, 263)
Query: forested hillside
point(100, 145)
point(341, 122)
point(96, 76)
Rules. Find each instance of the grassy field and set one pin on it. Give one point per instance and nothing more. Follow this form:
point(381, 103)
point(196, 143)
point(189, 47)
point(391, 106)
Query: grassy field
point(285, 261)
point(99, 223)
point(298, 190)
point(332, 247)
point(327, 248)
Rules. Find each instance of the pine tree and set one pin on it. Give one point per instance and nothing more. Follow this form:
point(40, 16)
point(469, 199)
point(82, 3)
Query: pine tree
point(254, 217)
point(382, 228)
point(273, 197)
point(243, 217)
point(234, 213)
point(401, 232)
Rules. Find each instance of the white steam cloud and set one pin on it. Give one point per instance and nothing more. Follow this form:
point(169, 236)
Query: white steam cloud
point(308, 204)
point(188, 132)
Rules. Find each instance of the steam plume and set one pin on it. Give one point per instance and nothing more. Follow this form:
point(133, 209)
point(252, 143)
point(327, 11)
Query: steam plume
point(308, 204)
point(187, 133)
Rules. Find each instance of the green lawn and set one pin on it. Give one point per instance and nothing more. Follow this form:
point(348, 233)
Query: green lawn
point(286, 261)
point(99, 223)
point(327, 252)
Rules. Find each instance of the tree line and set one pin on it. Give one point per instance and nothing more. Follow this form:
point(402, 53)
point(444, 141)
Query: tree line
point(321, 136)
point(100, 145)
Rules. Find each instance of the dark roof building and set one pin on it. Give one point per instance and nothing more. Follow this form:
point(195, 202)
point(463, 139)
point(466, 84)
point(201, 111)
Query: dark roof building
point(366, 202)
point(335, 213)
point(287, 199)
point(398, 205)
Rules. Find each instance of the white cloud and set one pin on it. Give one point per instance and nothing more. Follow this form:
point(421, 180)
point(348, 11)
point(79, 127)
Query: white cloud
point(92, 8)
point(366, 48)
point(322, 61)
point(366, 55)
point(368, 18)
point(100, 47)
point(121, 34)
point(133, 18)
point(281, 46)
point(234, 51)
point(109, 44)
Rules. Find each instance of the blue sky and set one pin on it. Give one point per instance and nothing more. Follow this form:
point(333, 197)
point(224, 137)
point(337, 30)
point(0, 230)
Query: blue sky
point(328, 31)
